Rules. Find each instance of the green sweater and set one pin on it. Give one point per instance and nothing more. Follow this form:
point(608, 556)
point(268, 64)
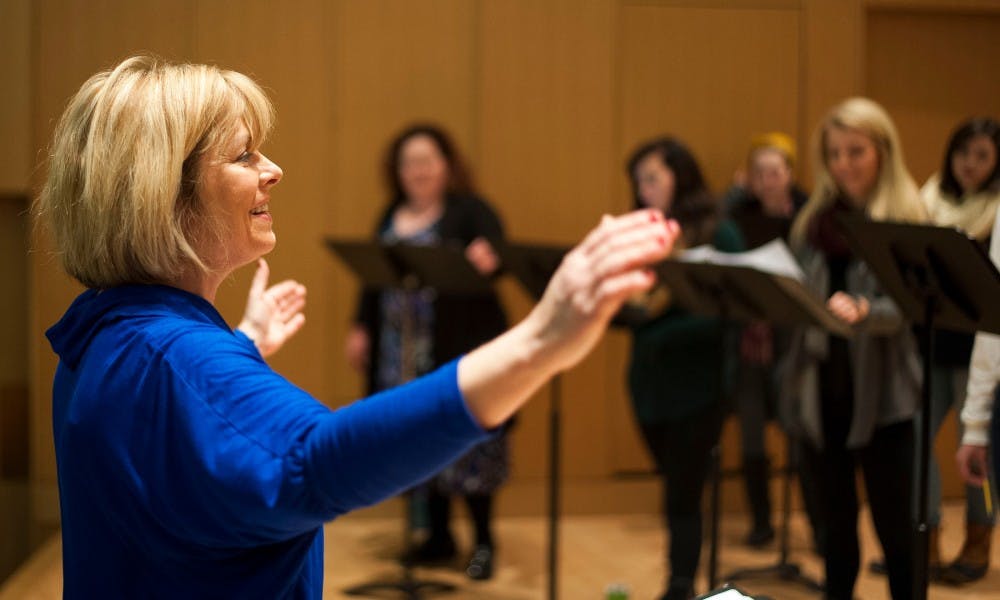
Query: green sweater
point(680, 361)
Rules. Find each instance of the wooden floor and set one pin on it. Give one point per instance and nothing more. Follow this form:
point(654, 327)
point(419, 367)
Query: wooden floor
point(594, 552)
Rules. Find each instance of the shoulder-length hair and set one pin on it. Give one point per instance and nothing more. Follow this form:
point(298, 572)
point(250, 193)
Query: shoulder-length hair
point(121, 191)
point(693, 206)
point(460, 180)
point(895, 197)
point(960, 139)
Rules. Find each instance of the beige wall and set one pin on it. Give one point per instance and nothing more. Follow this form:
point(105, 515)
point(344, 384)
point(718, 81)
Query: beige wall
point(546, 98)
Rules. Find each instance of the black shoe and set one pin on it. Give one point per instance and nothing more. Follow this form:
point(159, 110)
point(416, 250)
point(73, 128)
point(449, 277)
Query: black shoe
point(678, 592)
point(959, 573)
point(431, 551)
point(481, 564)
point(934, 572)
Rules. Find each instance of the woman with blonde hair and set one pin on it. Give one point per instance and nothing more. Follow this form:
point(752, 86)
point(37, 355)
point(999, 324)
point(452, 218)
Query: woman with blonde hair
point(854, 400)
point(187, 467)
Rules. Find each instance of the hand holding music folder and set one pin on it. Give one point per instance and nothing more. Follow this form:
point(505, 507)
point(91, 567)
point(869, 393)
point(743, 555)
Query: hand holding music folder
point(443, 268)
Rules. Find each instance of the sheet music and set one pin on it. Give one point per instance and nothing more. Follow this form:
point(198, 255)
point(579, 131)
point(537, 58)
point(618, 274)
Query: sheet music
point(726, 594)
point(773, 257)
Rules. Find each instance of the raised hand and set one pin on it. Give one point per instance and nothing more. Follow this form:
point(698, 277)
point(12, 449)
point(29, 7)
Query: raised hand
point(586, 290)
point(596, 277)
point(273, 314)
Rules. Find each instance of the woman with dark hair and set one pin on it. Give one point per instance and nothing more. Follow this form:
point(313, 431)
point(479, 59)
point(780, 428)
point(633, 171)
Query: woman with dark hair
point(401, 334)
point(964, 194)
point(677, 358)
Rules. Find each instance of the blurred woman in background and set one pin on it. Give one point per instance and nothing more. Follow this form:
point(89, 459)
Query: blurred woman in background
point(401, 334)
point(854, 400)
point(964, 194)
point(679, 361)
point(763, 203)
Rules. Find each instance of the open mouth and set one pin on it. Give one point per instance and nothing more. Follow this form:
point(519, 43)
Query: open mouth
point(263, 209)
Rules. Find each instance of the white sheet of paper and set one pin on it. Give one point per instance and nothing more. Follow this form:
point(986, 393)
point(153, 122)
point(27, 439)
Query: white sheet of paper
point(728, 595)
point(773, 257)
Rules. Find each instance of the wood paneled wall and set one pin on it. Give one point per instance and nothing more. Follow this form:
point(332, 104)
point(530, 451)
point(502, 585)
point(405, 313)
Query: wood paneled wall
point(545, 98)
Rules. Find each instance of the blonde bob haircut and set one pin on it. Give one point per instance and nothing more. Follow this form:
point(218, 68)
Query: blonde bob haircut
point(121, 192)
point(895, 197)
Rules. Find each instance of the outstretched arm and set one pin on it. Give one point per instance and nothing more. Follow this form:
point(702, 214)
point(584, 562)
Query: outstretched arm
point(587, 289)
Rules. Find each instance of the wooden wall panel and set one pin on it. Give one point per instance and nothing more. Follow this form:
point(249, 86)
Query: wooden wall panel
point(711, 77)
point(394, 63)
point(546, 131)
point(15, 96)
point(926, 90)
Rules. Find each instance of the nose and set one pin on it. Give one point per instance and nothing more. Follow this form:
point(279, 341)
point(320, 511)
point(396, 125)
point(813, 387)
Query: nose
point(270, 172)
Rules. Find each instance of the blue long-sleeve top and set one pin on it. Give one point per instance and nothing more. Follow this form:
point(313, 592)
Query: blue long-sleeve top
point(188, 468)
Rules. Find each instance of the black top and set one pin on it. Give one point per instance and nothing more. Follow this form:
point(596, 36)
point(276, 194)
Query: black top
point(462, 322)
point(746, 210)
point(836, 378)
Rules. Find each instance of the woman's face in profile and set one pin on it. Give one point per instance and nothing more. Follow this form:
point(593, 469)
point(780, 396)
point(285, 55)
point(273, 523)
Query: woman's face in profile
point(974, 162)
point(423, 170)
point(655, 182)
point(234, 188)
point(853, 162)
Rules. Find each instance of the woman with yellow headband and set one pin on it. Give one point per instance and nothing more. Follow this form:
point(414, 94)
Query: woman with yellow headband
point(763, 202)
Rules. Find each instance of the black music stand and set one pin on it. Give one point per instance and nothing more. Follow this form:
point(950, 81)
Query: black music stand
point(738, 293)
point(939, 278)
point(443, 269)
point(759, 229)
point(533, 266)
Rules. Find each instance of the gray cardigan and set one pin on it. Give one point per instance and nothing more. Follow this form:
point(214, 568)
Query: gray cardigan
point(883, 353)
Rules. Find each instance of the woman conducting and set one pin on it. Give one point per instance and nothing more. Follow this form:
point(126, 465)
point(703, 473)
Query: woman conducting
point(187, 467)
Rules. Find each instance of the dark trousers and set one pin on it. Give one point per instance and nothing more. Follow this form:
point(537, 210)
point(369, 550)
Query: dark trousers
point(480, 510)
point(682, 451)
point(887, 466)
